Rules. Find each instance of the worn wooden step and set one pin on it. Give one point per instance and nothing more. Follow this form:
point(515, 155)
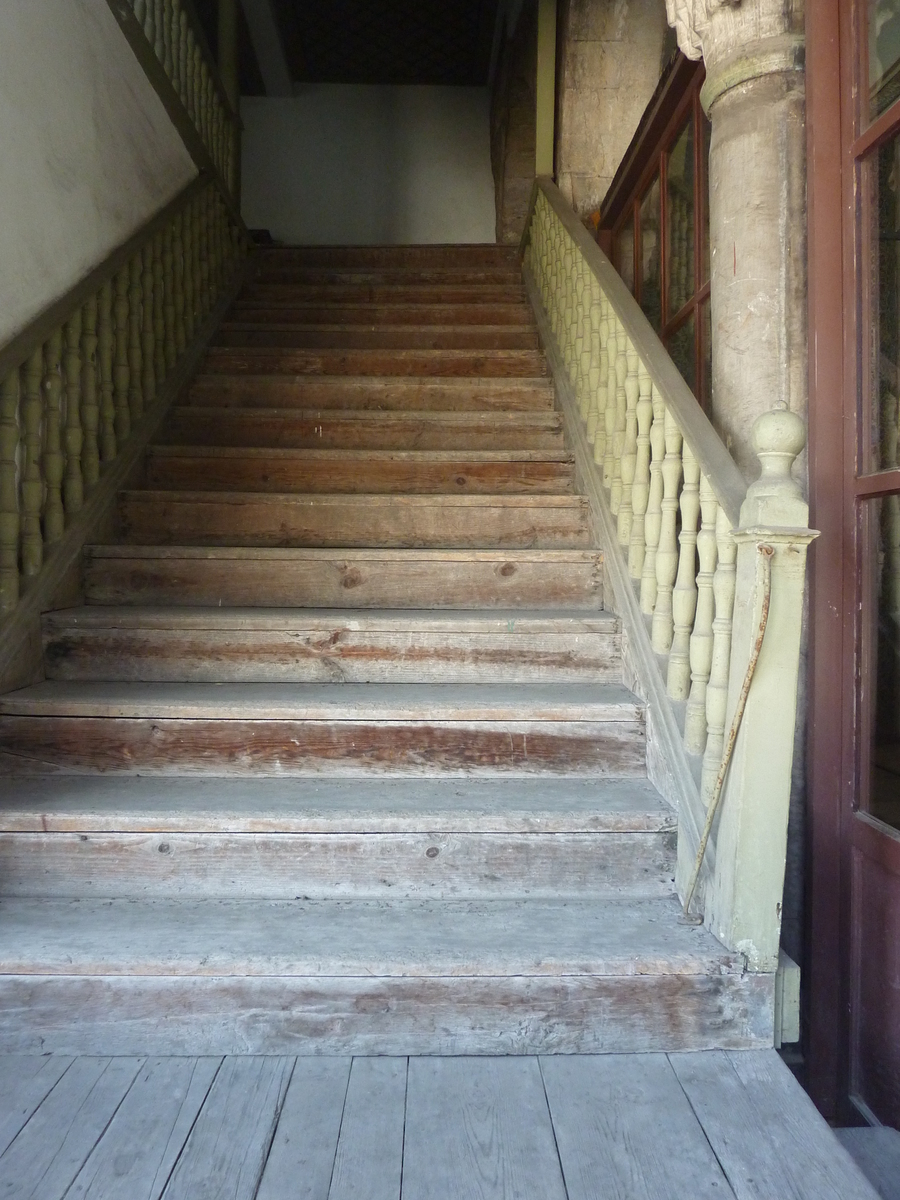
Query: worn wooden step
point(104, 804)
point(232, 468)
point(294, 519)
point(442, 579)
point(371, 977)
point(316, 393)
point(417, 315)
point(475, 363)
point(364, 429)
point(368, 293)
point(302, 729)
point(431, 255)
point(336, 855)
point(381, 276)
point(220, 645)
point(282, 334)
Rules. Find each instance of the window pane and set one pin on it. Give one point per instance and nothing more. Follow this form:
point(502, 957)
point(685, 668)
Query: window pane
point(680, 243)
point(625, 254)
point(884, 757)
point(704, 237)
point(884, 388)
point(651, 288)
point(682, 348)
point(884, 54)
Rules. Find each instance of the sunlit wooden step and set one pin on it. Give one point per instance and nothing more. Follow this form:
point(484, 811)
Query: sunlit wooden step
point(382, 314)
point(473, 363)
point(256, 335)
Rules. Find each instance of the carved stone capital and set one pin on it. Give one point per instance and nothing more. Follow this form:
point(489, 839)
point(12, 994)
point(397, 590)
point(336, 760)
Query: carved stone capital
point(691, 19)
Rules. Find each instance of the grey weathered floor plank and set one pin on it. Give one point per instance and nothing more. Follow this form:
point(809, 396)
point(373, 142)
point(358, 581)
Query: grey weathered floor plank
point(51, 1149)
point(224, 1156)
point(765, 1130)
point(626, 1132)
point(301, 1160)
point(135, 1156)
point(369, 1161)
point(479, 1128)
point(876, 1151)
point(25, 1079)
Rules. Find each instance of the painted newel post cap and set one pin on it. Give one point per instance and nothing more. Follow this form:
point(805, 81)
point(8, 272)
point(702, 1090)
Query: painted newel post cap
point(778, 437)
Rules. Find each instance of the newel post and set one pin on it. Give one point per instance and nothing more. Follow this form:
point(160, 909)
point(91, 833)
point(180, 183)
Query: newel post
point(744, 897)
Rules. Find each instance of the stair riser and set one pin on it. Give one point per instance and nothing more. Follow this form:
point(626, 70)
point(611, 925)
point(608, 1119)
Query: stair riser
point(347, 583)
point(383, 314)
point(461, 477)
point(471, 255)
point(387, 431)
point(383, 276)
point(235, 334)
point(172, 746)
point(486, 364)
point(331, 866)
point(367, 293)
point(292, 656)
point(570, 1014)
point(294, 521)
point(385, 395)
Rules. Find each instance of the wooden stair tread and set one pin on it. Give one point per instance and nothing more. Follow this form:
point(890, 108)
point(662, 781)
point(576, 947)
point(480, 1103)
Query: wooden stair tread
point(381, 393)
point(76, 804)
point(351, 938)
point(350, 454)
point(341, 499)
point(390, 702)
point(430, 252)
point(474, 363)
point(274, 554)
point(418, 315)
point(474, 623)
point(549, 421)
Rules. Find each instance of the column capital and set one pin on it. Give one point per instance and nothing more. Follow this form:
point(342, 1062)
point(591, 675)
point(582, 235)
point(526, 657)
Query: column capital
point(739, 40)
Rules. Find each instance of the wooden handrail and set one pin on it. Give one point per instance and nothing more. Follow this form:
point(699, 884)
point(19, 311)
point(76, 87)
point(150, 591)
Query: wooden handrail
point(706, 445)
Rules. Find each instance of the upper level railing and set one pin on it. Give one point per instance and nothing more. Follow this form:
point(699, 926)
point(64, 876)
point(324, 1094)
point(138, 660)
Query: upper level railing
point(77, 382)
point(165, 34)
point(680, 517)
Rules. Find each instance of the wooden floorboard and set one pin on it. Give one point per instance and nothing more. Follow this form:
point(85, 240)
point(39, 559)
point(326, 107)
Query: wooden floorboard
point(639, 1127)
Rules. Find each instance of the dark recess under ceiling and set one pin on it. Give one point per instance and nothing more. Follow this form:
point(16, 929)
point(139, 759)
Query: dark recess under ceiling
point(372, 41)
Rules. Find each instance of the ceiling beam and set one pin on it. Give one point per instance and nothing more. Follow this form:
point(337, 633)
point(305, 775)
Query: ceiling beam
point(268, 47)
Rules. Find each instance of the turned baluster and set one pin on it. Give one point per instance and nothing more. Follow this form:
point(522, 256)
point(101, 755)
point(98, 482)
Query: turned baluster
point(73, 482)
point(159, 310)
point(701, 646)
point(205, 276)
point(621, 404)
point(187, 241)
point(90, 407)
point(143, 13)
point(121, 373)
point(148, 334)
point(579, 310)
point(32, 483)
point(667, 548)
point(9, 499)
point(720, 664)
point(105, 355)
point(653, 519)
point(684, 596)
point(168, 59)
point(596, 363)
point(640, 488)
point(182, 62)
point(169, 341)
point(178, 283)
point(159, 22)
point(629, 446)
point(600, 378)
point(52, 459)
point(135, 349)
point(609, 415)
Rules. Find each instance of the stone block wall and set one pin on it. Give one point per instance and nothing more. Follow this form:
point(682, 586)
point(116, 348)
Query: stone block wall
point(610, 55)
point(513, 126)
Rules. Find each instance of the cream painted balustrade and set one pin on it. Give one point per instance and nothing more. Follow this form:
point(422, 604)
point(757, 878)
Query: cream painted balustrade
point(80, 380)
point(168, 30)
point(671, 498)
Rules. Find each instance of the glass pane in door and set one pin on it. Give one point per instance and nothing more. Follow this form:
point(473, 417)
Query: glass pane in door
point(683, 348)
point(680, 217)
point(651, 283)
point(625, 253)
point(880, 692)
point(884, 54)
point(883, 185)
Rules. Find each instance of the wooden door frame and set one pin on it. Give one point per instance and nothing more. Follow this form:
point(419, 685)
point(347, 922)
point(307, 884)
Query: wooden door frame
point(826, 973)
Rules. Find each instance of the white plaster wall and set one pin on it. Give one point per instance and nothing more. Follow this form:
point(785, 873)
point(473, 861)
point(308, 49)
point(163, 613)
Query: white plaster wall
point(87, 153)
point(367, 165)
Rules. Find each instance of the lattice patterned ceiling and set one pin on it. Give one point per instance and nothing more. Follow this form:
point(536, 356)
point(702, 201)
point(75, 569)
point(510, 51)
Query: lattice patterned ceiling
point(388, 41)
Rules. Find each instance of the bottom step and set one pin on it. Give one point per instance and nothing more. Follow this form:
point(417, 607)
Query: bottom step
point(370, 977)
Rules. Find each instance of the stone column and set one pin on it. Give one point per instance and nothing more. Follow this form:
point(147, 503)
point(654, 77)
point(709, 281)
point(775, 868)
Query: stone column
point(754, 94)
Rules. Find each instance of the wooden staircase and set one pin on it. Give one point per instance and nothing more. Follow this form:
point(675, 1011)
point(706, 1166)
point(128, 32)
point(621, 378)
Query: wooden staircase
point(337, 756)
